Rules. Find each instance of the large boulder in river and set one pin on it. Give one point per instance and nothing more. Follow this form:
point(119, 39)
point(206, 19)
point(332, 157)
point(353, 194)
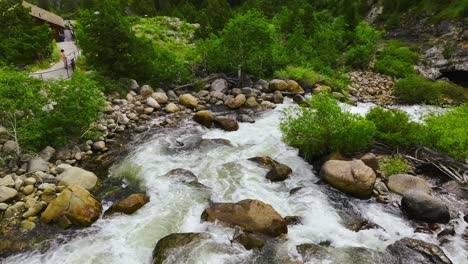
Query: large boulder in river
point(188, 101)
point(249, 215)
point(401, 183)
point(409, 250)
point(168, 245)
point(129, 205)
point(422, 206)
point(352, 177)
point(75, 205)
point(278, 172)
point(204, 118)
point(78, 176)
point(226, 123)
point(286, 86)
point(313, 253)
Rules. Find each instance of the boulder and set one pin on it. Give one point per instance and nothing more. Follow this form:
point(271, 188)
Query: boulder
point(166, 246)
point(74, 205)
point(401, 183)
point(424, 207)
point(294, 87)
point(279, 172)
point(78, 176)
point(182, 175)
point(9, 147)
point(151, 102)
point(38, 164)
point(278, 85)
point(409, 250)
point(250, 241)
point(219, 86)
point(160, 97)
point(299, 99)
point(146, 90)
point(251, 102)
point(312, 253)
point(226, 123)
point(371, 161)
point(47, 153)
point(171, 108)
point(7, 181)
point(188, 101)
point(352, 177)
point(204, 118)
point(278, 97)
point(129, 205)
point(249, 215)
point(7, 194)
point(236, 102)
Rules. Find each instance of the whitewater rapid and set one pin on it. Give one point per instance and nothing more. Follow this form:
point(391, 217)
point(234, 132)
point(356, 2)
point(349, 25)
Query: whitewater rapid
point(177, 207)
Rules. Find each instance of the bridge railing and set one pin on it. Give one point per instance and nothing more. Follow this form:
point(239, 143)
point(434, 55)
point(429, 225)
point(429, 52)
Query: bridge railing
point(70, 63)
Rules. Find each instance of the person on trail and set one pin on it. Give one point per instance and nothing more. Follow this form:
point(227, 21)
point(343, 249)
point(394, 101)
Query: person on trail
point(64, 58)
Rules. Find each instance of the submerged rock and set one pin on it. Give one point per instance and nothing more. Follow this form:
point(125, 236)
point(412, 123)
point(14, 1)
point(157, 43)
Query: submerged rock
point(74, 205)
point(352, 177)
point(401, 183)
point(313, 253)
point(249, 215)
point(422, 206)
point(129, 205)
point(278, 171)
point(182, 175)
point(409, 250)
point(167, 245)
point(250, 241)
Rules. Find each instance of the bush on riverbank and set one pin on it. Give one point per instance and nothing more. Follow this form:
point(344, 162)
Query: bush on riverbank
point(322, 128)
point(393, 165)
point(415, 90)
point(396, 60)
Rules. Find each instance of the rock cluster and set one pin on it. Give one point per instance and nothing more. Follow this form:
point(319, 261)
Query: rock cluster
point(370, 86)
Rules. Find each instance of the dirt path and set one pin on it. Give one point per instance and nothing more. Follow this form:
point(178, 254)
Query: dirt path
point(58, 71)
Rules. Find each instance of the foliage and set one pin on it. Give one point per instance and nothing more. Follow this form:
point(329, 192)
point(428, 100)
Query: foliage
point(21, 41)
point(448, 132)
point(393, 165)
point(307, 77)
point(323, 128)
point(393, 127)
point(415, 89)
point(396, 60)
point(363, 47)
point(247, 43)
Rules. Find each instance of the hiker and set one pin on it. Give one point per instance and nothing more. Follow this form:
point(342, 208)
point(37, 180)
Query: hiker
point(64, 58)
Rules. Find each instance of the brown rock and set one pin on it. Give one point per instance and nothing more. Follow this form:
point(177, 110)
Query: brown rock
point(204, 118)
point(129, 205)
point(226, 123)
point(401, 183)
point(250, 241)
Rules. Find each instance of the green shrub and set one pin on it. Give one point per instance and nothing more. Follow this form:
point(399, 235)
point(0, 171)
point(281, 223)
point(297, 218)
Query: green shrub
point(323, 128)
point(393, 165)
point(415, 89)
point(363, 47)
point(396, 60)
point(448, 132)
point(304, 76)
point(393, 127)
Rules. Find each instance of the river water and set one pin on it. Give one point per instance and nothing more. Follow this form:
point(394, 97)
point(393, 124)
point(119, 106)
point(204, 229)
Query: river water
point(176, 206)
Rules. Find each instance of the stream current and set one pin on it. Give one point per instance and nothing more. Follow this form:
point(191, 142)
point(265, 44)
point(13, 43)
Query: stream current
point(176, 206)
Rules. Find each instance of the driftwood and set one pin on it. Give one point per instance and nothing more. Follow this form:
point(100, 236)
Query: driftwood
point(452, 168)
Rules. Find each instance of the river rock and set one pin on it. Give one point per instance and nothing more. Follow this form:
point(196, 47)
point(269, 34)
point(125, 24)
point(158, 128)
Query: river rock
point(278, 85)
point(35, 209)
point(146, 90)
point(47, 153)
point(166, 246)
point(401, 183)
point(278, 97)
point(160, 97)
point(9, 147)
point(251, 102)
point(129, 205)
point(267, 105)
point(371, 161)
point(74, 205)
point(171, 108)
point(27, 225)
point(249, 215)
point(7, 194)
point(38, 164)
point(151, 102)
point(236, 102)
point(299, 99)
point(226, 123)
point(182, 175)
point(27, 190)
point(352, 177)
point(188, 101)
point(7, 181)
point(250, 241)
point(204, 118)
point(78, 176)
point(312, 253)
point(220, 86)
point(278, 172)
point(409, 250)
point(422, 206)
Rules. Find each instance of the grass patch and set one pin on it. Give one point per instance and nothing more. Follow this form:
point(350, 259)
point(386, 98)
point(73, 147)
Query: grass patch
point(393, 165)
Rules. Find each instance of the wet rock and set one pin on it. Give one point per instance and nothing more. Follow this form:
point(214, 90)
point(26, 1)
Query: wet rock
point(456, 189)
point(264, 161)
point(278, 172)
point(167, 245)
point(204, 118)
point(409, 250)
point(293, 219)
point(219, 86)
point(352, 177)
point(312, 253)
point(226, 123)
point(188, 101)
point(245, 119)
point(75, 205)
point(250, 241)
point(299, 99)
point(267, 105)
point(47, 153)
point(249, 215)
point(236, 102)
point(278, 97)
point(182, 175)
point(38, 164)
point(7, 194)
point(421, 206)
point(401, 183)
point(78, 176)
point(129, 205)
point(171, 108)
